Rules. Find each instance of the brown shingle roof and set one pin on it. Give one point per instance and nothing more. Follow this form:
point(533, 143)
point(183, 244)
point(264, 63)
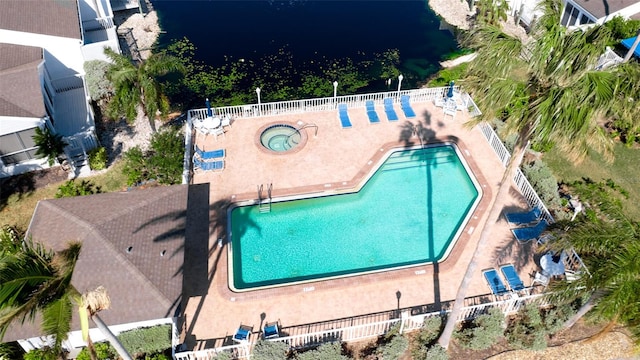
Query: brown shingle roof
point(143, 284)
point(48, 17)
point(600, 9)
point(20, 93)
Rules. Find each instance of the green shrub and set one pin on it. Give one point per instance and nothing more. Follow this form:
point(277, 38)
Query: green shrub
point(437, 352)
point(224, 356)
point(149, 340)
point(555, 317)
point(483, 331)
point(45, 353)
point(72, 188)
point(445, 76)
point(395, 348)
point(270, 350)
point(162, 162)
point(158, 356)
point(429, 332)
point(104, 351)
point(98, 85)
point(544, 182)
point(527, 330)
point(98, 158)
point(622, 28)
point(324, 352)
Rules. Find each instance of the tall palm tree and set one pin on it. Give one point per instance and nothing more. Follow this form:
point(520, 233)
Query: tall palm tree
point(136, 84)
point(547, 90)
point(36, 280)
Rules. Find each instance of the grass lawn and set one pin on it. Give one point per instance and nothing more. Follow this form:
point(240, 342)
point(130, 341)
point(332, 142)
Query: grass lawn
point(623, 171)
point(20, 207)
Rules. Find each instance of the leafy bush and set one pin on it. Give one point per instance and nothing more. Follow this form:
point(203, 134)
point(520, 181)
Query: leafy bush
point(395, 348)
point(104, 351)
point(96, 78)
point(426, 336)
point(527, 330)
point(622, 28)
point(159, 356)
point(324, 352)
point(71, 188)
point(437, 352)
point(98, 158)
point(45, 353)
point(543, 181)
point(162, 162)
point(483, 331)
point(270, 350)
point(147, 340)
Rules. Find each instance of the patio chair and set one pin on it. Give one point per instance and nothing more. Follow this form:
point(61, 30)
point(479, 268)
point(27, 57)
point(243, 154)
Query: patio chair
point(524, 234)
point(371, 112)
point(513, 279)
point(406, 107)
point(541, 278)
point(209, 155)
point(217, 132)
point(343, 116)
point(494, 281)
point(226, 121)
point(271, 330)
point(521, 218)
point(243, 334)
point(199, 165)
point(389, 111)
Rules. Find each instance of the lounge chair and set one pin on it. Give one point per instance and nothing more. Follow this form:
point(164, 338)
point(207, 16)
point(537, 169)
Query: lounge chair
point(525, 234)
point(243, 334)
point(513, 279)
point(388, 109)
point(520, 218)
point(406, 107)
point(371, 112)
point(209, 155)
point(343, 116)
point(199, 165)
point(494, 281)
point(271, 330)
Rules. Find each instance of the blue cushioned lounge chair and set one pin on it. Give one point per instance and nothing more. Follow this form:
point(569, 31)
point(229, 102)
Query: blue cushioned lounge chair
point(406, 107)
point(513, 279)
point(520, 218)
point(200, 165)
point(271, 330)
point(243, 334)
point(494, 281)
point(210, 155)
point(371, 112)
point(525, 234)
point(344, 116)
point(389, 110)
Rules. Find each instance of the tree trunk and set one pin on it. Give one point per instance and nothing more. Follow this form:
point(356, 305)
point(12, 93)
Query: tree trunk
point(113, 340)
point(485, 236)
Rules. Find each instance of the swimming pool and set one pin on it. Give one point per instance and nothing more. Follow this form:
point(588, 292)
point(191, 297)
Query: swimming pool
point(409, 212)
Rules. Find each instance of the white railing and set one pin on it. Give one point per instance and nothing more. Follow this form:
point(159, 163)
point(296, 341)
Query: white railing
point(330, 103)
point(405, 324)
point(573, 261)
point(314, 105)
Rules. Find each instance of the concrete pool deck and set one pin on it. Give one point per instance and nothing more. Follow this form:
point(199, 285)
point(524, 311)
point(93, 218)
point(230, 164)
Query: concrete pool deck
point(338, 160)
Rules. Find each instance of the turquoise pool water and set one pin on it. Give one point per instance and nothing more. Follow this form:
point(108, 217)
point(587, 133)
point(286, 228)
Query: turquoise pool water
point(409, 212)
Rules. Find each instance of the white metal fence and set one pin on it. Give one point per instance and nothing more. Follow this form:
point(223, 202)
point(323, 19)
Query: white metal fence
point(405, 323)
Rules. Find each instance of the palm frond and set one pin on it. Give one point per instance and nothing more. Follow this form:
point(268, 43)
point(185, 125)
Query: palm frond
point(56, 319)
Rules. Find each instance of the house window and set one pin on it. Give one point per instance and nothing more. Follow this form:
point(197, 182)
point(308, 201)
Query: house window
point(18, 147)
point(566, 14)
point(584, 19)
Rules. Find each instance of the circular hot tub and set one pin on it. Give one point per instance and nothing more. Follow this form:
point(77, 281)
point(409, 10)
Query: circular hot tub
point(280, 137)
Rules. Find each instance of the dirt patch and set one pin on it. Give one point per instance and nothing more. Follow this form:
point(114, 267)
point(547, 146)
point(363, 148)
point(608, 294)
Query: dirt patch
point(28, 182)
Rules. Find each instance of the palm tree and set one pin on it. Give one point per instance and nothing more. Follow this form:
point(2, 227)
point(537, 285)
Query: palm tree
point(50, 145)
point(545, 91)
point(136, 84)
point(609, 245)
point(36, 280)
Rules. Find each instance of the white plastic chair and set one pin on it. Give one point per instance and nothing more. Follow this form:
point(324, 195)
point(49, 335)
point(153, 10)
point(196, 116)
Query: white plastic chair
point(217, 131)
point(226, 121)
